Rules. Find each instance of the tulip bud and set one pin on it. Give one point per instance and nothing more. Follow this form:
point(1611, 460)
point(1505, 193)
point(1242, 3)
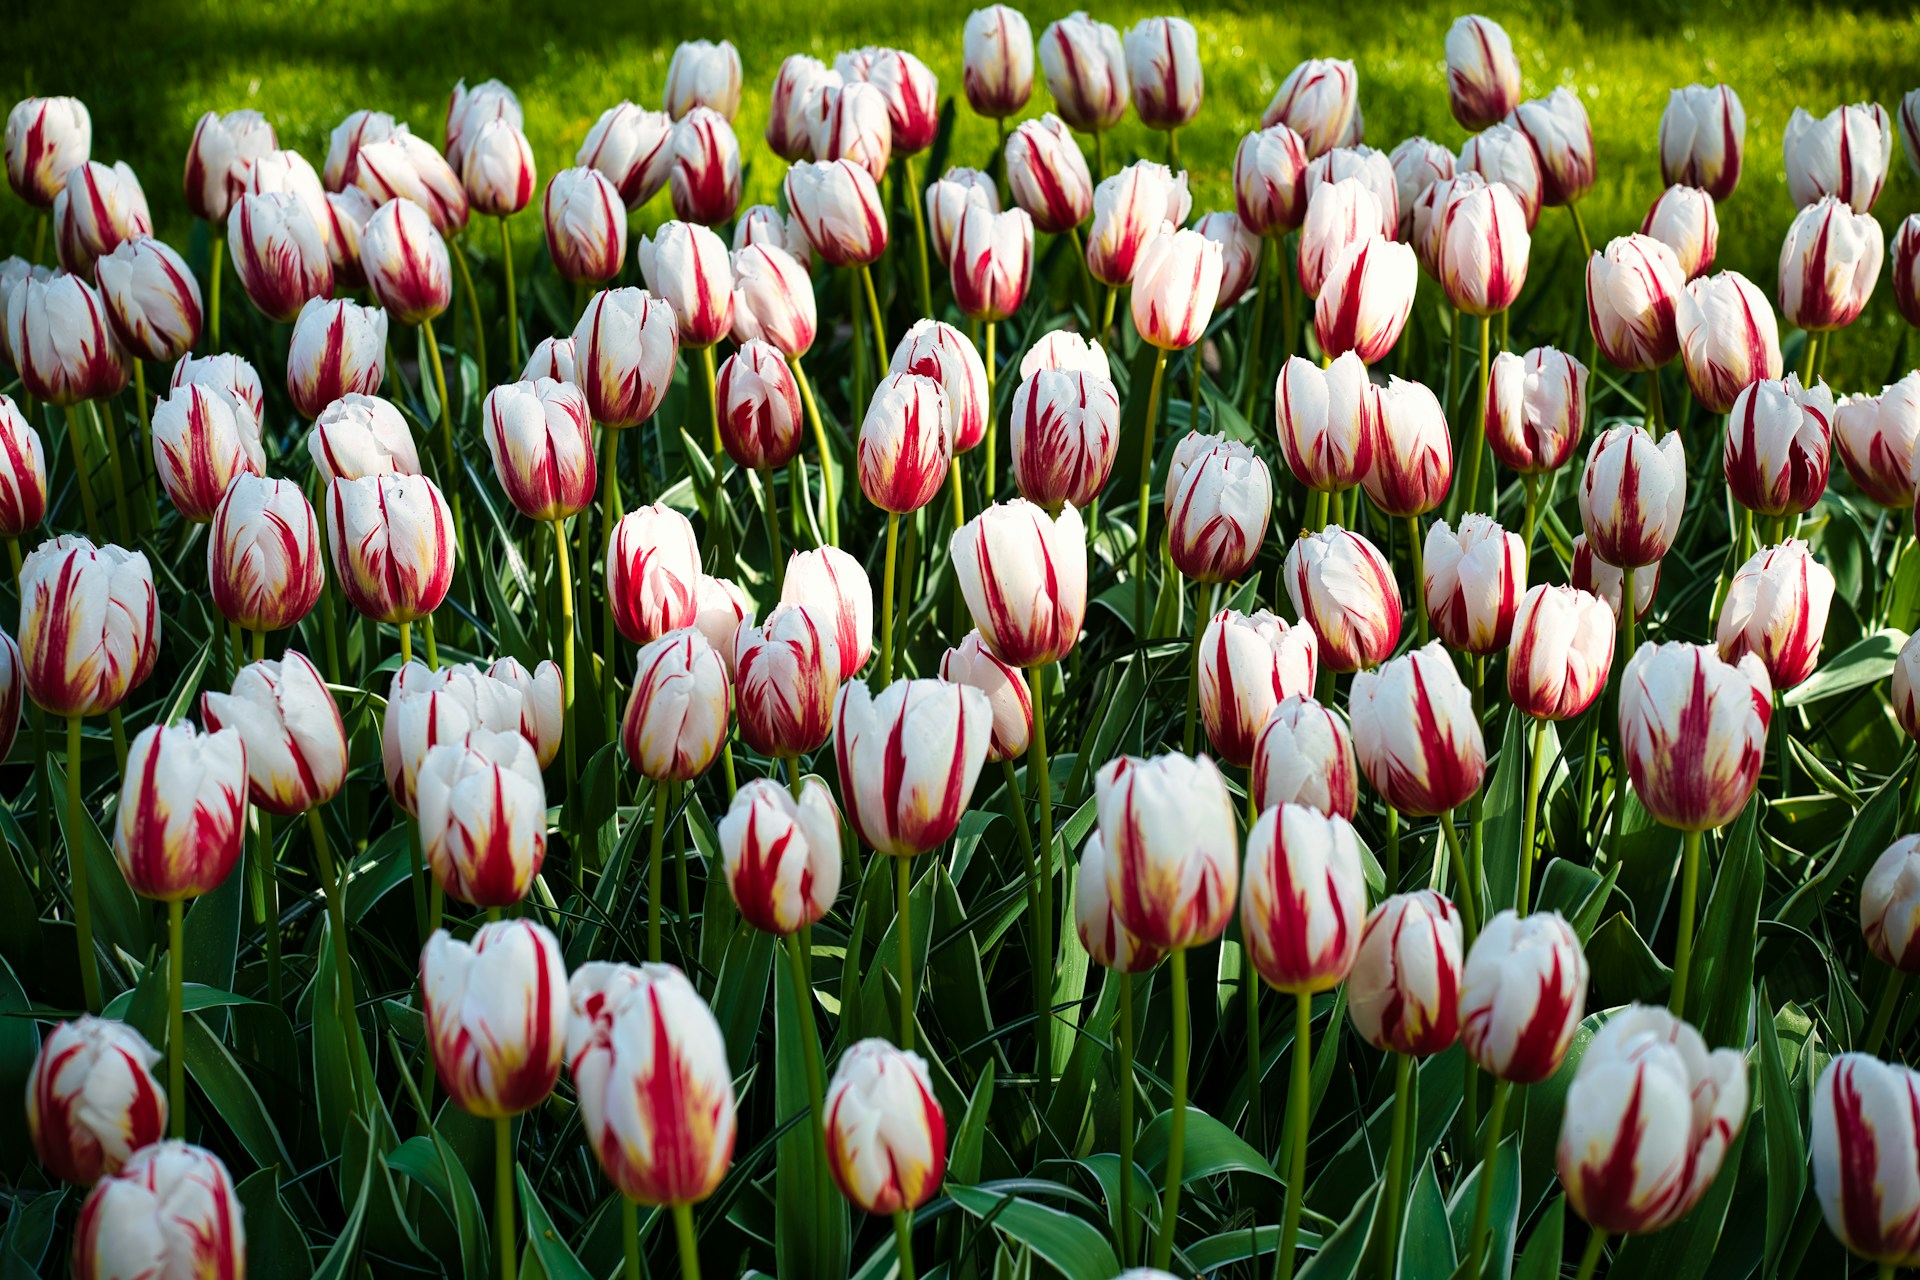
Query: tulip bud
point(405, 261)
point(703, 74)
point(1413, 455)
point(795, 103)
point(288, 173)
point(1417, 164)
point(633, 148)
point(1481, 249)
point(997, 67)
point(1304, 756)
point(14, 272)
point(348, 213)
point(92, 1099)
point(1906, 268)
point(759, 408)
point(782, 854)
point(652, 562)
point(1328, 421)
point(786, 675)
point(553, 358)
point(1473, 583)
point(1875, 436)
point(992, 258)
point(339, 348)
point(1106, 940)
point(1415, 733)
point(1429, 218)
point(1729, 339)
point(89, 625)
point(1176, 281)
point(403, 167)
point(1048, 176)
point(496, 1014)
point(469, 111)
point(1248, 665)
point(831, 584)
point(912, 95)
point(1168, 828)
point(1890, 905)
point(1240, 252)
point(1632, 495)
point(705, 178)
point(772, 300)
point(886, 1138)
point(97, 209)
point(152, 300)
point(1365, 299)
point(1524, 992)
point(392, 543)
point(908, 760)
point(359, 129)
point(182, 811)
point(1591, 573)
point(46, 139)
point(428, 707)
point(1683, 219)
point(721, 608)
point(1562, 139)
point(1005, 685)
point(626, 344)
point(1338, 214)
point(1693, 729)
point(171, 1210)
point(838, 209)
point(62, 342)
point(1372, 169)
point(1650, 1115)
point(1631, 302)
point(1163, 67)
point(935, 349)
point(359, 436)
point(1086, 72)
point(1320, 101)
point(1024, 576)
point(1129, 209)
point(1776, 609)
point(1302, 899)
point(1219, 496)
point(1776, 453)
point(497, 170)
point(949, 198)
point(540, 437)
point(1505, 158)
point(1065, 434)
point(1403, 991)
point(1865, 1149)
point(264, 556)
point(1910, 128)
point(23, 472)
point(1535, 407)
point(906, 443)
point(676, 720)
point(1843, 154)
point(1702, 135)
point(1344, 589)
point(482, 811)
point(1483, 76)
point(1905, 691)
point(1561, 653)
point(1065, 350)
point(1828, 264)
point(296, 742)
point(586, 225)
point(851, 124)
point(202, 439)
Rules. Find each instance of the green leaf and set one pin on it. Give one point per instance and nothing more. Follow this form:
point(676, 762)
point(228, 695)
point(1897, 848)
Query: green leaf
point(29, 1235)
point(1502, 815)
point(1211, 1149)
point(119, 920)
point(19, 1046)
point(811, 1235)
point(1071, 1245)
point(1867, 662)
point(1426, 1247)
point(1339, 1257)
point(1867, 837)
point(1786, 1150)
point(430, 1162)
point(963, 1166)
point(228, 1085)
point(1503, 1221)
point(1624, 968)
point(343, 1259)
point(1720, 990)
point(276, 1249)
point(193, 998)
point(1541, 1258)
point(543, 1242)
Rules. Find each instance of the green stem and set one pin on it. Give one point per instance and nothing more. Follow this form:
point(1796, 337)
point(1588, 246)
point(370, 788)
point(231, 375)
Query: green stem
point(610, 495)
point(81, 478)
point(886, 600)
point(656, 844)
point(1086, 274)
point(77, 870)
point(270, 902)
point(503, 1223)
point(1299, 1095)
point(1177, 1122)
point(1099, 157)
point(176, 1020)
point(513, 310)
point(629, 1239)
point(1126, 1116)
point(1883, 1015)
point(1807, 359)
point(1106, 310)
point(1489, 1167)
point(433, 653)
point(144, 456)
point(1173, 150)
point(1531, 483)
point(1468, 912)
point(1683, 948)
point(993, 416)
point(903, 931)
point(820, 443)
point(473, 305)
point(1393, 849)
point(1419, 592)
point(903, 1241)
point(1530, 823)
point(1263, 274)
point(334, 890)
point(1596, 1243)
point(879, 324)
point(1397, 1158)
point(213, 285)
point(1193, 674)
point(1146, 495)
point(1627, 611)
point(1256, 1096)
point(1477, 443)
point(1037, 765)
point(563, 569)
point(919, 236)
point(689, 1245)
point(1195, 373)
point(771, 511)
point(713, 406)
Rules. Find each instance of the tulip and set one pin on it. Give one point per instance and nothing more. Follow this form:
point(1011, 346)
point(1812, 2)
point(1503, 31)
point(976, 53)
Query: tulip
point(1320, 101)
point(1776, 453)
point(626, 343)
point(703, 74)
point(288, 173)
point(403, 167)
point(392, 542)
point(97, 209)
point(1482, 248)
point(687, 266)
point(851, 123)
point(908, 760)
point(1523, 995)
point(263, 554)
point(1906, 269)
point(705, 178)
point(1866, 1157)
point(542, 704)
point(911, 92)
point(470, 110)
point(992, 258)
point(497, 169)
point(1693, 727)
point(1005, 685)
point(182, 808)
point(1163, 69)
point(482, 808)
point(92, 1100)
point(1062, 349)
point(1365, 299)
point(838, 209)
point(359, 129)
point(997, 61)
point(1024, 576)
point(62, 342)
point(1828, 264)
point(1086, 72)
point(831, 584)
point(1338, 214)
point(1702, 134)
point(540, 436)
point(405, 261)
point(14, 272)
point(361, 435)
point(1683, 219)
point(1562, 139)
point(1129, 209)
point(496, 1015)
point(1303, 899)
point(1328, 421)
point(782, 854)
point(795, 103)
point(676, 719)
point(1249, 665)
point(765, 224)
point(1890, 905)
point(1776, 609)
point(1504, 156)
point(1631, 302)
point(586, 229)
point(1843, 154)
point(1650, 1115)
point(886, 1137)
point(1219, 496)
point(949, 198)
point(1483, 76)
point(1167, 826)
point(1065, 435)
point(632, 148)
point(1417, 163)
point(296, 743)
point(1412, 464)
point(1535, 407)
point(1472, 584)
point(1403, 991)
point(1270, 181)
point(1592, 574)
point(429, 707)
point(1632, 495)
point(1240, 253)
point(786, 676)
point(202, 439)
point(1106, 940)
point(759, 408)
point(348, 213)
point(1343, 588)
point(1729, 339)
point(1561, 652)
point(46, 138)
point(906, 443)
point(23, 472)
point(339, 348)
point(1176, 280)
point(936, 350)
point(171, 1210)
point(652, 563)
point(1910, 128)
point(1047, 175)
point(721, 608)
point(1429, 216)
point(1415, 734)
point(89, 625)
point(553, 358)
point(1875, 438)
point(152, 300)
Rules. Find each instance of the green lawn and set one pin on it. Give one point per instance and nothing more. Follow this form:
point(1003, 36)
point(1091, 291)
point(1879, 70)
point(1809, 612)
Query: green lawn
point(148, 74)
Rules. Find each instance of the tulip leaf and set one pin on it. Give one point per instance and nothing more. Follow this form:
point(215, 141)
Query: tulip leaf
point(1503, 1223)
point(1502, 818)
point(430, 1162)
point(1786, 1149)
point(1540, 1260)
point(276, 1248)
point(194, 997)
point(19, 1045)
point(1074, 1247)
point(119, 920)
point(1720, 988)
point(810, 1217)
point(1624, 968)
point(543, 1242)
point(1341, 1253)
point(1426, 1246)
point(1357, 1165)
point(1686, 1250)
point(343, 1259)
point(212, 938)
point(1211, 1149)
point(1866, 662)
point(1073, 1091)
point(28, 1236)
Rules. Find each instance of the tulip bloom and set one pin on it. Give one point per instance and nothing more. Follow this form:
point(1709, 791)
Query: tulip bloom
point(405, 261)
point(1320, 101)
point(1365, 299)
point(264, 556)
point(359, 129)
point(908, 760)
point(626, 343)
point(851, 123)
point(1650, 1116)
point(1865, 1151)
point(89, 625)
point(631, 147)
point(279, 252)
point(935, 349)
point(1562, 139)
point(404, 167)
point(1632, 290)
point(1592, 574)
point(910, 90)
point(1417, 164)
point(1632, 495)
point(1086, 72)
point(1482, 247)
point(906, 443)
point(1343, 588)
point(676, 718)
point(1890, 905)
point(348, 213)
point(1047, 175)
point(1403, 991)
point(1776, 609)
point(782, 855)
point(997, 61)
point(296, 742)
point(46, 139)
point(14, 272)
point(429, 707)
point(1107, 941)
point(1473, 581)
point(1304, 756)
point(1005, 685)
point(1522, 997)
point(62, 342)
point(496, 1014)
point(1024, 576)
point(23, 471)
point(92, 1099)
point(497, 169)
point(482, 811)
point(1413, 455)
point(949, 198)
point(1168, 827)
point(759, 407)
point(1065, 434)
point(1729, 339)
point(1535, 408)
point(1129, 209)
point(203, 440)
point(1483, 76)
point(1163, 67)
point(540, 437)
point(338, 348)
point(1683, 219)
point(542, 704)
point(171, 1210)
point(1176, 280)
point(838, 209)
point(359, 436)
point(786, 675)
point(1270, 181)
point(1064, 350)
point(703, 74)
point(1693, 728)
point(1248, 665)
point(182, 811)
point(289, 173)
point(1776, 455)
point(98, 207)
point(1828, 264)
point(652, 562)
point(1703, 133)
point(992, 258)
point(1562, 650)
point(1328, 420)
point(1338, 214)
point(1505, 158)
point(1415, 733)
point(773, 300)
point(1875, 437)
point(886, 1138)
point(1240, 252)
point(1429, 215)
point(1219, 497)
point(1906, 269)
point(832, 584)
point(1302, 899)
point(552, 358)
point(586, 225)
point(1843, 154)
point(794, 104)
point(152, 299)
point(392, 543)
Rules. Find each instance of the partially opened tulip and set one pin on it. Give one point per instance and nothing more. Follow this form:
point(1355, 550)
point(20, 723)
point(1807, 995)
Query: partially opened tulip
point(1417, 163)
point(482, 813)
point(1683, 219)
point(426, 707)
point(553, 357)
point(974, 663)
point(204, 438)
point(1163, 70)
point(586, 225)
point(833, 585)
point(949, 197)
point(886, 1136)
point(295, 739)
point(1505, 157)
point(1338, 214)
point(794, 104)
point(704, 181)
point(838, 209)
point(469, 110)
point(1632, 292)
point(1592, 574)
point(1562, 649)
point(542, 709)
point(289, 173)
point(497, 169)
point(46, 139)
point(1828, 264)
point(910, 90)
point(1086, 72)
point(152, 299)
point(997, 61)
point(392, 542)
point(782, 854)
point(1416, 737)
point(98, 207)
point(1320, 101)
point(1865, 1151)
point(1703, 133)
point(937, 350)
point(92, 1100)
point(89, 626)
point(906, 443)
point(1129, 209)
point(1343, 588)
point(1365, 299)
point(230, 372)
point(338, 348)
point(1875, 436)
point(1023, 573)
point(1270, 181)
point(1483, 76)
point(23, 472)
point(1562, 139)
point(1047, 176)
point(1219, 497)
point(172, 1209)
point(1168, 827)
point(405, 167)
point(1248, 664)
point(1776, 457)
point(851, 123)
point(279, 252)
point(1632, 495)
point(361, 128)
point(1304, 755)
point(786, 675)
point(632, 148)
point(1065, 435)
point(1176, 281)
point(1472, 583)
point(496, 1015)
point(652, 562)
point(1843, 154)
point(676, 718)
point(1729, 338)
point(1890, 911)
point(540, 437)
point(62, 343)
point(1412, 465)
point(626, 344)
point(992, 258)
point(265, 564)
point(1776, 609)
point(405, 261)
point(1482, 248)
point(687, 266)
point(1328, 420)
point(773, 300)
point(361, 435)
point(703, 74)
point(1403, 991)
point(759, 408)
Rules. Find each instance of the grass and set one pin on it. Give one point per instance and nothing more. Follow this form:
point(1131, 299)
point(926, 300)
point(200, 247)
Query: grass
point(149, 73)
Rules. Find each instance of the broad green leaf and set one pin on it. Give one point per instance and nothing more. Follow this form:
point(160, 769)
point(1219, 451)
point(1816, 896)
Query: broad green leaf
point(227, 1084)
point(1624, 968)
point(276, 1248)
point(1786, 1150)
point(1720, 988)
point(1866, 663)
point(25, 1243)
point(1502, 1221)
point(1211, 1149)
point(543, 1242)
point(1540, 1260)
point(1426, 1244)
point(1071, 1245)
point(119, 920)
point(1340, 1254)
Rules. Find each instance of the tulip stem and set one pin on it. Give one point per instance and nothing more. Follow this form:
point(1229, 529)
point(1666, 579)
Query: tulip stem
point(1530, 822)
point(433, 653)
point(1397, 1158)
point(213, 285)
point(886, 600)
point(1468, 912)
point(269, 900)
point(513, 310)
point(1126, 1115)
point(1883, 1014)
point(770, 510)
point(406, 643)
point(1146, 495)
point(1106, 310)
point(1173, 150)
point(903, 930)
point(655, 846)
point(80, 474)
point(1299, 1095)
point(803, 1002)
point(1099, 157)
point(1489, 1166)
point(1086, 275)
point(1807, 359)
point(610, 494)
point(689, 1246)
point(503, 1224)
point(473, 305)
point(564, 570)
point(1683, 948)
point(1393, 850)
point(1037, 765)
point(176, 1020)
point(1193, 675)
point(1531, 483)
point(142, 410)
point(1262, 275)
point(919, 236)
point(993, 419)
point(13, 559)
point(1419, 592)
point(1177, 1122)
point(820, 443)
point(1477, 444)
point(629, 1239)
point(713, 408)
point(335, 892)
point(1656, 410)
point(77, 870)
point(1596, 1243)
point(1627, 610)
point(446, 406)
point(879, 325)
point(903, 1241)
